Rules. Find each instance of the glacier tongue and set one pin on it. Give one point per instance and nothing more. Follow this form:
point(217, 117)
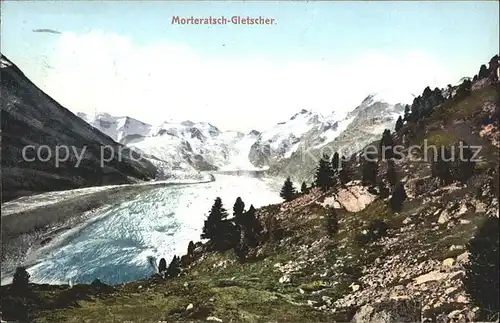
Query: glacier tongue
point(114, 246)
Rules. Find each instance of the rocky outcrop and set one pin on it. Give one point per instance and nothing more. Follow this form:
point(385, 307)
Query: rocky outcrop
point(352, 198)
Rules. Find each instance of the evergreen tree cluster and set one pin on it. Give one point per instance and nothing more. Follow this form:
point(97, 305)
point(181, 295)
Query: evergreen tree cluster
point(424, 104)
point(173, 270)
point(369, 173)
point(331, 172)
point(240, 233)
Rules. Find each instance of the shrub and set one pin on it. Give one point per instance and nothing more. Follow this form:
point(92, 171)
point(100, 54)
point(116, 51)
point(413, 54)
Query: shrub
point(375, 230)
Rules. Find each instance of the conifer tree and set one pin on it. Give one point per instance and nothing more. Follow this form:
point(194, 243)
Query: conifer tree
point(464, 88)
point(344, 174)
point(332, 222)
point(238, 209)
point(288, 191)
point(174, 268)
point(369, 170)
point(190, 248)
point(399, 124)
point(449, 90)
point(391, 174)
point(253, 227)
point(20, 280)
point(482, 270)
point(398, 197)
point(386, 145)
point(407, 113)
point(221, 232)
point(162, 265)
point(213, 222)
point(324, 174)
point(483, 72)
point(303, 188)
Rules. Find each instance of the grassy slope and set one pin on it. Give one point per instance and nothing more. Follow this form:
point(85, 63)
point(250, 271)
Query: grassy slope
point(320, 269)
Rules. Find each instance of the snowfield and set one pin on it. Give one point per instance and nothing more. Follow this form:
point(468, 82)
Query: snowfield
point(114, 245)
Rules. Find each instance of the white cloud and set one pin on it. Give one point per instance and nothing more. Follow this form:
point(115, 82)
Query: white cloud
point(167, 80)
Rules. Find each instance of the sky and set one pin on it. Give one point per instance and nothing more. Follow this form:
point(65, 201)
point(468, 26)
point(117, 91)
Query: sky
point(127, 58)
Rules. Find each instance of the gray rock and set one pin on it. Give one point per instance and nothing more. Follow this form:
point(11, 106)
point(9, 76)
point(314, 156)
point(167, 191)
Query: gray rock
point(390, 311)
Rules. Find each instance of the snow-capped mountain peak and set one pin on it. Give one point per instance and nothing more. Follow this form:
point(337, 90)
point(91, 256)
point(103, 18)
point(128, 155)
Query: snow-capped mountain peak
point(192, 146)
point(119, 129)
point(391, 97)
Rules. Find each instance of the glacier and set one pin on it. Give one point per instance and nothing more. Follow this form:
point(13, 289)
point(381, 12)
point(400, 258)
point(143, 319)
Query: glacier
point(115, 244)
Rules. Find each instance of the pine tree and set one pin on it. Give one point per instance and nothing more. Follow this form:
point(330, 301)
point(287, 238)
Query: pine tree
point(483, 72)
point(213, 222)
point(162, 265)
point(449, 90)
point(238, 209)
point(399, 124)
point(464, 88)
point(303, 188)
point(20, 280)
point(407, 113)
point(415, 109)
point(324, 174)
point(369, 170)
point(344, 174)
point(332, 222)
point(386, 145)
point(398, 197)
point(482, 270)
point(221, 232)
point(391, 174)
point(174, 268)
point(252, 227)
point(191, 248)
point(288, 191)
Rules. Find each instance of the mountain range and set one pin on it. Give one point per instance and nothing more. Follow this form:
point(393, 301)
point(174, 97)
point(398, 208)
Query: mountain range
point(31, 117)
point(201, 146)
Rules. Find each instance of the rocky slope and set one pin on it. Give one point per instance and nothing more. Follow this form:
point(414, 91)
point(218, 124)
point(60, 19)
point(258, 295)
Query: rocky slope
point(32, 119)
